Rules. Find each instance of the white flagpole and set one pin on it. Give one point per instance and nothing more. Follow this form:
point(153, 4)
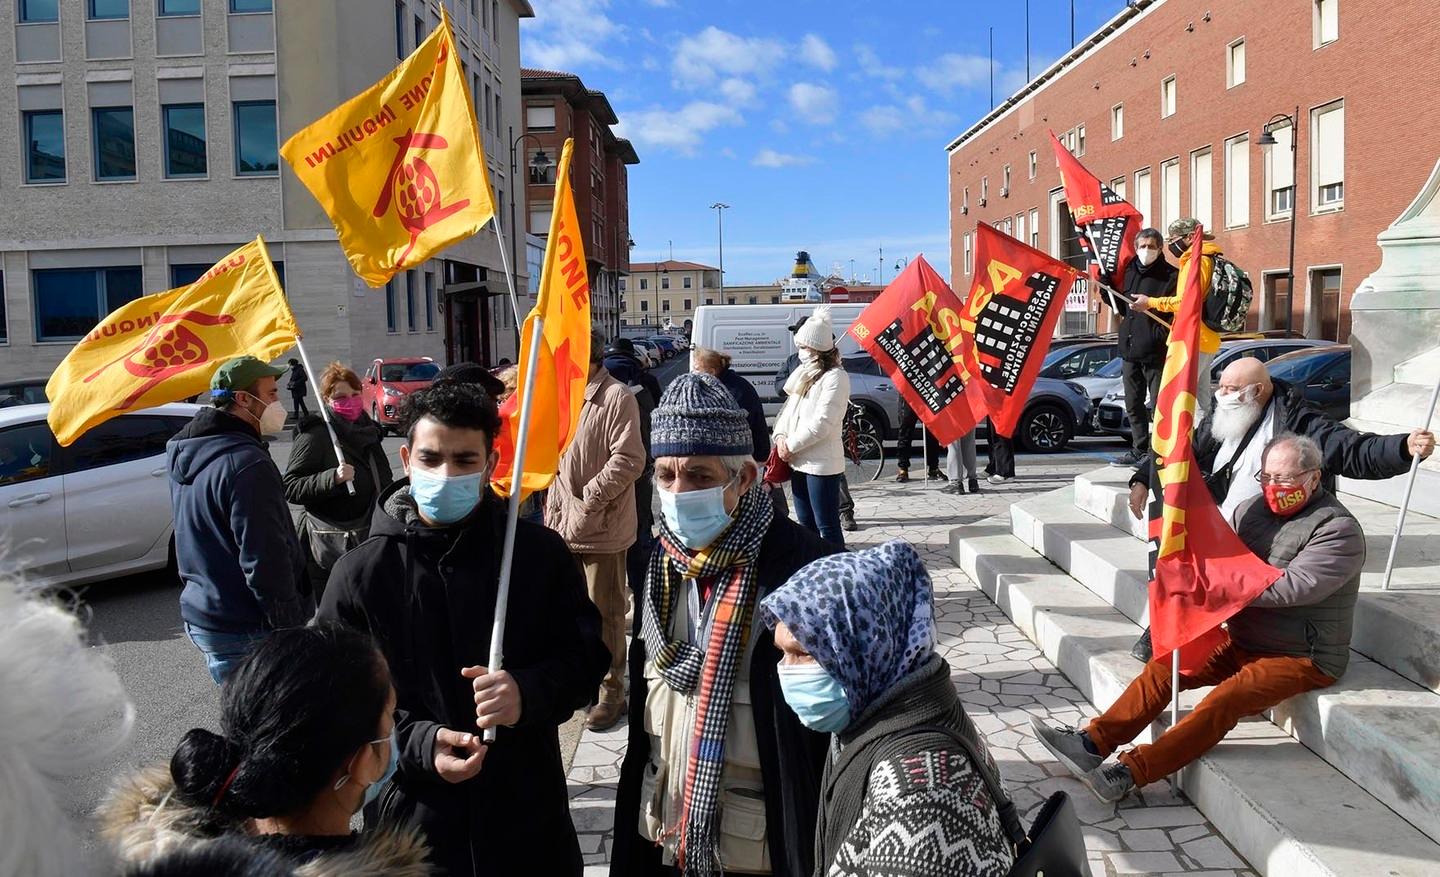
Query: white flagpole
point(1409, 488)
point(1175, 706)
point(324, 415)
point(507, 556)
point(509, 275)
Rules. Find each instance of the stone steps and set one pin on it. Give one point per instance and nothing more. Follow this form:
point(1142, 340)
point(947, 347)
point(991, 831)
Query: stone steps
point(1284, 808)
point(1374, 725)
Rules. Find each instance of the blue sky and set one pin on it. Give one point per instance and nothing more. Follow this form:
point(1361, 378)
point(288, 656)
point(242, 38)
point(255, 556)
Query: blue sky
point(822, 124)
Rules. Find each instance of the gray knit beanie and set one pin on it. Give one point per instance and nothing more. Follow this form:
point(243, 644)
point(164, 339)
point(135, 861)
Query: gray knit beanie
point(697, 417)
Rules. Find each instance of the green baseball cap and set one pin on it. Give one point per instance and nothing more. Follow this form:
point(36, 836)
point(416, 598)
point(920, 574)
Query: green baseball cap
point(242, 372)
point(1185, 227)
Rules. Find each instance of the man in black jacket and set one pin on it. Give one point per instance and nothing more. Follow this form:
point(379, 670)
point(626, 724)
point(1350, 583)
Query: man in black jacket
point(624, 366)
point(298, 385)
point(1142, 338)
point(424, 585)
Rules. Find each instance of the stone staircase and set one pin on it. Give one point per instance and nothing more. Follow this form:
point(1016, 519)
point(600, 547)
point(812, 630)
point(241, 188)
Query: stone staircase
point(1342, 781)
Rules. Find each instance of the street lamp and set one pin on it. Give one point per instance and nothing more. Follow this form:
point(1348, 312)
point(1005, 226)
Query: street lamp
point(902, 263)
point(720, 207)
point(1265, 141)
point(539, 162)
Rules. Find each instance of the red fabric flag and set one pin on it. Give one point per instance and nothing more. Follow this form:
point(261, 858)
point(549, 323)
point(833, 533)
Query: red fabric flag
point(1107, 223)
point(1203, 572)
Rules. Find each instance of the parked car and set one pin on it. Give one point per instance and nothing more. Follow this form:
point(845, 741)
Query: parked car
point(388, 381)
point(1110, 417)
point(95, 510)
point(648, 351)
point(667, 345)
point(30, 391)
point(1321, 373)
point(1078, 360)
point(1108, 379)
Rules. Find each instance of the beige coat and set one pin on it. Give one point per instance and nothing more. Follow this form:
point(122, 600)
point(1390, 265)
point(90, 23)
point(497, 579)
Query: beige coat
point(592, 502)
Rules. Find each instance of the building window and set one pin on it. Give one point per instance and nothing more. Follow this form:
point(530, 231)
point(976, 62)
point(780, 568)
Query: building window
point(430, 302)
point(1034, 164)
point(44, 146)
point(70, 301)
point(686, 281)
point(499, 119)
point(1327, 156)
point(665, 305)
point(965, 200)
point(251, 6)
point(1080, 140)
point(179, 7)
point(100, 10)
point(644, 306)
point(184, 140)
point(495, 19)
point(665, 282)
point(544, 176)
point(688, 303)
point(774, 299)
point(1327, 22)
point(419, 28)
point(1169, 192)
point(400, 12)
point(730, 299)
point(410, 290)
point(1005, 186)
point(1167, 97)
point(1020, 234)
point(392, 306)
point(186, 273)
point(256, 150)
point(37, 11)
point(1280, 175)
point(113, 129)
point(984, 190)
point(623, 306)
point(622, 284)
point(540, 220)
point(969, 254)
point(1035, 228)
point(1117, 186)
point(489, 118)
point(1117, 121)
point(499, 208)
point(1201, 191)
point(1325, 289)
point(1142, 200)
point(1237, 182)
point(540, 117)
point(1235, 64)
point(644, 283)
point(710, 301)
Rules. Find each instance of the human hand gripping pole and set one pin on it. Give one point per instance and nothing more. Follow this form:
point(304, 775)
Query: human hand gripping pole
point(325, 415)
point(512, 518)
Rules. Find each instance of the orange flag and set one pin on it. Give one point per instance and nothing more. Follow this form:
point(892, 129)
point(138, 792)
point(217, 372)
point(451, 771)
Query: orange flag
point(1204, 573)
point(164, 347)
point(562, 364)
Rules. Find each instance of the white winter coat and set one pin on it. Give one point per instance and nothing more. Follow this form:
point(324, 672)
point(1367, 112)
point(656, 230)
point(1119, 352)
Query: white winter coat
point(812, 424)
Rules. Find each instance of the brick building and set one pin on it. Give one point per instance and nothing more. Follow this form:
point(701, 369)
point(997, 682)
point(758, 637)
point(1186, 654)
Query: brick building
point(1167, 101)
point(559, 106)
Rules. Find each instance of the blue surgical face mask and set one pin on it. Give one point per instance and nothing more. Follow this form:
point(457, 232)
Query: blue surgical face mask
point(696, 517)
point(374, 789)
point(816, 697)
point(446, 500)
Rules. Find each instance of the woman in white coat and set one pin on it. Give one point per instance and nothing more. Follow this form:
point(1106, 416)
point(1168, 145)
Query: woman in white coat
point(808, 430)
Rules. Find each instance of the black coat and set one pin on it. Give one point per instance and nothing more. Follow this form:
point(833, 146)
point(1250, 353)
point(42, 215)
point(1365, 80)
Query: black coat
point(1344, 451)
point(744, 393)
point(297, 381)
point(427, 595)
point(792, 757)
point(310, 474)
point(1140, 338)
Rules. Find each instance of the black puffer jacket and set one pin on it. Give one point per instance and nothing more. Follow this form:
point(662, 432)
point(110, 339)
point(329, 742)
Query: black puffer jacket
point(310, 475)
point(1140, 338)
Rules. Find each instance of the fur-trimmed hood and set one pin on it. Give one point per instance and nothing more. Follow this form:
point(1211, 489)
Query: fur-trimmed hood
point(142, 820)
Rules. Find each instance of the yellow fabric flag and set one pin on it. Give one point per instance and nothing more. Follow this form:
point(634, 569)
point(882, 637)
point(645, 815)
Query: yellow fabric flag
point(164, 347)
point(400, 168)
point(562, 367)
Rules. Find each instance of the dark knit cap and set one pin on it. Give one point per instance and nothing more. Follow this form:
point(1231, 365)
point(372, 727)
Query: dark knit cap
point(472, 373)
point(697, 417)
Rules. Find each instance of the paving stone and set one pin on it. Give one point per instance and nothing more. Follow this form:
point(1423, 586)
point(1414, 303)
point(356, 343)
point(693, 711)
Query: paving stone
point(1212, 852)
point(1189, 832)
point(1143, 863)
point(1146, 840)
point(1161, 817)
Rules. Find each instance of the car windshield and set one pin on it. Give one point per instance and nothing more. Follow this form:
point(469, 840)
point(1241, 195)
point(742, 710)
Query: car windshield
point(1112, 369)
point(1055, 355)
point(402, 372)
point(1300, 368)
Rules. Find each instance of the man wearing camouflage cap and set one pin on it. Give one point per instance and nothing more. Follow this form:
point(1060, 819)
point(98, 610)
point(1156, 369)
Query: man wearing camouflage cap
point(1177, 242)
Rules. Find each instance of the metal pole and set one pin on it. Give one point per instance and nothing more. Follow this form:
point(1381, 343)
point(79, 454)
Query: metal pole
point(507, 555)
point(992, 68)
point(1027, 40)
point(1072, 24)
point(1175, 706)
point(325, 415)
point(1294, 213)
point(1409, 488)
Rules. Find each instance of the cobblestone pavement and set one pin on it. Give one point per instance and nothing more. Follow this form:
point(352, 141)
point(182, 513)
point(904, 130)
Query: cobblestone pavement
point(1003, 680)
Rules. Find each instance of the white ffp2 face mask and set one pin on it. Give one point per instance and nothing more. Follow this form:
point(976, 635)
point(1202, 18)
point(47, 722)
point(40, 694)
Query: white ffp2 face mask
point(1147, 257)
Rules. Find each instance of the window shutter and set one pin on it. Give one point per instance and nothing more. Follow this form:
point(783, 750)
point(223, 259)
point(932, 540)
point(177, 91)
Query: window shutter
point(1330, 146)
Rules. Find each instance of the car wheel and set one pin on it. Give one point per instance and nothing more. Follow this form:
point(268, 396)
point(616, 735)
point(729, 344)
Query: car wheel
point(1045, 428)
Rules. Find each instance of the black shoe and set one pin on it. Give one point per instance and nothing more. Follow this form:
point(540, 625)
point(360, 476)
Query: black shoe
point(952, 489)
point(1142, 651)
point(902, 476)
point(973, 486)
point(847, 523)
point(935, 475)
point(1129, 458)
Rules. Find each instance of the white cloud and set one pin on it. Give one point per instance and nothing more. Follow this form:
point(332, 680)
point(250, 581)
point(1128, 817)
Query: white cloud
point(883, 120)
point(771, 158)
point(912, 115)
point(712, 53)
point(816, 103)
point(681, 130)
point(815, 51)
point(953, 70)
point(566, 35)
point(871, 65)
point(739, 92)
point(663, 4)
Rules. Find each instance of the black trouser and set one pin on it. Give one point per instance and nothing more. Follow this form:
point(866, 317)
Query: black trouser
point(298, 398)
point(637, 556)
point(847, 502)
point(1002, 456)
point(908, 422)
point(1142, 382)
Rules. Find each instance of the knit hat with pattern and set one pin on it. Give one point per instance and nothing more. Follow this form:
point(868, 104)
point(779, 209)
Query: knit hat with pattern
point(817, 333)
point(697, 417)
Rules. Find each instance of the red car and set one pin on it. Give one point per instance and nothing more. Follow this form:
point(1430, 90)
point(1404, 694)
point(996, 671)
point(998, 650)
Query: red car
point(389, 381)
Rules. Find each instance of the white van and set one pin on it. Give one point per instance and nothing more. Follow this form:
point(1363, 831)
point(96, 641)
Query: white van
point(758, 339)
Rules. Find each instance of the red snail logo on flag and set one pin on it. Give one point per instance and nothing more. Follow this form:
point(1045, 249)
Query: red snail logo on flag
point(166, 351)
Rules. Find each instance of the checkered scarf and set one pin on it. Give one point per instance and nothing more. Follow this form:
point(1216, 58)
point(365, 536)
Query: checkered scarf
point(730, 561)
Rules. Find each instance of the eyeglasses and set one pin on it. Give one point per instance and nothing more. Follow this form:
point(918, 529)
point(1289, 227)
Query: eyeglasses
point(1282, 480)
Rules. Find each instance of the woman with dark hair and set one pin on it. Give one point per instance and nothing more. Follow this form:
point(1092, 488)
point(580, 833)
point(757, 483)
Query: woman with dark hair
point(308, 738)
point(808, 429)
point(335, 520)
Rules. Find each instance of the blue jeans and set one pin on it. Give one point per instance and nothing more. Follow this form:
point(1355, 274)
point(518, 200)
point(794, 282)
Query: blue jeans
point(223, 651)
point(817, 504)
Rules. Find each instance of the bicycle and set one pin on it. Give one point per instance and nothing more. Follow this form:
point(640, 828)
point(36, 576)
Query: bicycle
point(864, 453)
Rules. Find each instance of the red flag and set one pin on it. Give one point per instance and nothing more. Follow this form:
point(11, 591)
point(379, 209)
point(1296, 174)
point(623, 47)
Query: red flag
point(1107, 223)
point(1203, 572)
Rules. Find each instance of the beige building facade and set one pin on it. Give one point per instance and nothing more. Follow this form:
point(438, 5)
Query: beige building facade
point(661, 294)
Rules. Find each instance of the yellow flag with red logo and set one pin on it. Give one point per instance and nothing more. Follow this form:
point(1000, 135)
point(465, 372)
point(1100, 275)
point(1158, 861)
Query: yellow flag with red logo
point(164, 347)
point(556, 383)
point(400, 168)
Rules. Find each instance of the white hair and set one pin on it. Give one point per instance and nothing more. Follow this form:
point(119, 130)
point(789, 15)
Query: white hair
point(65, 715)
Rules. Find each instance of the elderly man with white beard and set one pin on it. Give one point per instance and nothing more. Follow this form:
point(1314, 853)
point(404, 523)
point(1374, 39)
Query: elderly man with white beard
point(1249, 409)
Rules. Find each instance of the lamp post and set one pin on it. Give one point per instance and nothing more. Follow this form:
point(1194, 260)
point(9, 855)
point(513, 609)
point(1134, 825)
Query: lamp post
point(720, 207)
point(901, 264)
point(1266, 141)
point(539, 162)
